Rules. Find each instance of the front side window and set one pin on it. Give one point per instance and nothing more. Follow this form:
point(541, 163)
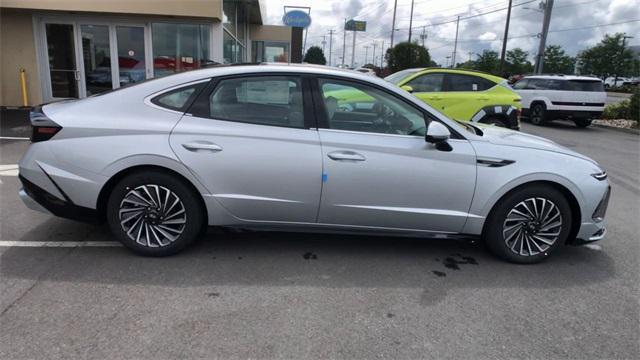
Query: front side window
point(266, 100)
point(427, 83)
point(460, 82)
point(357, 107)
point(537, 84)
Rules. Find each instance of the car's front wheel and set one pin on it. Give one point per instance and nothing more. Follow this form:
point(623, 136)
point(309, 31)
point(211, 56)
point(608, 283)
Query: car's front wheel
point(529, 224)
point(537, 113)
point(154, 213)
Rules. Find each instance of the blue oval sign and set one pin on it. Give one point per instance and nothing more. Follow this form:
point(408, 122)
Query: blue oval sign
point(296, 18)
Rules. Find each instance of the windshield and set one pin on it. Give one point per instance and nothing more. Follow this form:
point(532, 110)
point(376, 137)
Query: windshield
point(397, 77)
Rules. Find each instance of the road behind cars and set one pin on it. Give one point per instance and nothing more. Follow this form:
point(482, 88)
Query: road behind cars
point(266, 295)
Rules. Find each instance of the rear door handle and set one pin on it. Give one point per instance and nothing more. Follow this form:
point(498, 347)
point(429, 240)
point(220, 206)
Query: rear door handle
point(345, 156)
point(196, 146)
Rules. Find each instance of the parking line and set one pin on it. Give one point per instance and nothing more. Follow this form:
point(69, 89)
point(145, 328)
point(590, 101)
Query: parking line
point(9, 170)
point(64, 244)
point(13, 138)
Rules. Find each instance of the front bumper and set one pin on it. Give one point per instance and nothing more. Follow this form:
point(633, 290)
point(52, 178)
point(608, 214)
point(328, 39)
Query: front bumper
point(594, 229)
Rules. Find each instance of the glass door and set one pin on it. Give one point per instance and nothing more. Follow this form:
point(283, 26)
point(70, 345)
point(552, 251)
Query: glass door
point(62, 66)
point(96, 59)
point(132, 61)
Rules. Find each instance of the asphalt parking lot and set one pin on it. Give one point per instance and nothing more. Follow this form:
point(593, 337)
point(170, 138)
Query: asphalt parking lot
point(283, 295)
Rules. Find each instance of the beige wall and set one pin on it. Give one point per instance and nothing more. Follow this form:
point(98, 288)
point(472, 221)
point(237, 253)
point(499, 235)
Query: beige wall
point(194, 8)
point(270, 33)
point(17, 50)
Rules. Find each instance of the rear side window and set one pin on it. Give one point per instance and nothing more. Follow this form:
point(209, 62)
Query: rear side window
point(460, 82)
point(427, 83)
point(585, 85)
point(522, 84)
point(178, 99)
point(266, 100)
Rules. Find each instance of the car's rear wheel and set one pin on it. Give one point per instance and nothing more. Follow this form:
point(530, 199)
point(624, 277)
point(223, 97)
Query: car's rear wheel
point(154, 213)
point(582, 123)
point(537, 113)
point(528, 224)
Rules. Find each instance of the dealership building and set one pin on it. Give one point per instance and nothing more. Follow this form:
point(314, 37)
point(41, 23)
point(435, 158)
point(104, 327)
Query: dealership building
point(79, 48)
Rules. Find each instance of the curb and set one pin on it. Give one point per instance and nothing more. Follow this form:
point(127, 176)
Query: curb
point(628, 131)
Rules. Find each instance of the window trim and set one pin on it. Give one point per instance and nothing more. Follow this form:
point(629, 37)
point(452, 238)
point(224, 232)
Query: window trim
point(200, 107)
point(321, 113)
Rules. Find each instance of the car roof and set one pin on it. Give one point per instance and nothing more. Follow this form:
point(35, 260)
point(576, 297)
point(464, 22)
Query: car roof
point(562, 77)
point(479, 73)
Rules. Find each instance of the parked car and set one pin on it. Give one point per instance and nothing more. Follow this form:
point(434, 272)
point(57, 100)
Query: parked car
point(366, 71)
point(621, 81)
point(551, 97)
point(463, 94)
point(267, 147)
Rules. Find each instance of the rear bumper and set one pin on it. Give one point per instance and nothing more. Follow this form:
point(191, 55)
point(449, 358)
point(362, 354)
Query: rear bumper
point(36, 198)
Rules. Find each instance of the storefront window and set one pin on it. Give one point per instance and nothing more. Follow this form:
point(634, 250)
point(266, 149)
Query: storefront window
point(179, 47)
point(270, 51)
point(97, 58)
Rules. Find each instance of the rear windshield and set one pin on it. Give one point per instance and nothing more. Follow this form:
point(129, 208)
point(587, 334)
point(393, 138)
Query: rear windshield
point(585, 85)
point(397, 77)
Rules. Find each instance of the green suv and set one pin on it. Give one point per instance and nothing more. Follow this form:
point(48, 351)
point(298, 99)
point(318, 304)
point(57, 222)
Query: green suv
point(463, 94)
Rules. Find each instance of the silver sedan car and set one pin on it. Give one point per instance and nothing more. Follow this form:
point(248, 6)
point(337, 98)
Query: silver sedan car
point(303, 148)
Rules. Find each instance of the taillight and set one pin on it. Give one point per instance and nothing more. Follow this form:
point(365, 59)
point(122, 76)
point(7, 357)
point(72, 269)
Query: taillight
point(43, 128)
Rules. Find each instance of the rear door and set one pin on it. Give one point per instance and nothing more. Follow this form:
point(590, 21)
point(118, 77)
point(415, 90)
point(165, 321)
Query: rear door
point(465, 95)
point(249, 139)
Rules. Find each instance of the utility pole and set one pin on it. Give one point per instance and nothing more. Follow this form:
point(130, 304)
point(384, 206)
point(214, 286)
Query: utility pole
point(393, 22)
point(366, 53)
point(410, 21)
point(504, 40)
point(547, 7)
point(455, 45)
point(382, 56)
point(353, 48)
point(374, 54)
point(620, 63)
point(330, 45)
point(323, 43)
point(470, 53)
point(423, 36)
point(344, 40)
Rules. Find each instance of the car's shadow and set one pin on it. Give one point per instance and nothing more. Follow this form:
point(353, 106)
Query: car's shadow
point(302, 259)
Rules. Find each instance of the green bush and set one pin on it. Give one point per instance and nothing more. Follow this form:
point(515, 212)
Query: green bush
point(626, 109)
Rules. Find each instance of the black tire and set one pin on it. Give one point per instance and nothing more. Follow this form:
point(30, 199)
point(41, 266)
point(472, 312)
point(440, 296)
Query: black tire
point(537, 114)
point(495, 121)
point(582, 123)
point(180, 230)
point(501, 236)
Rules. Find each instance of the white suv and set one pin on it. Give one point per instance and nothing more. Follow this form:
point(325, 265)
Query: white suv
point(552, 97)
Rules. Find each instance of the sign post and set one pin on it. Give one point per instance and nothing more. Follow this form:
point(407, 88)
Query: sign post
point(354, 25)
point(298, 18)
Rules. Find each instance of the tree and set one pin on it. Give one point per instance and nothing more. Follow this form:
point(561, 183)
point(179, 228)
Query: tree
point(517, 62)
point(607, 58)
point(407, 55)
point(488, 62)
point(315, 55)
point(556, 61)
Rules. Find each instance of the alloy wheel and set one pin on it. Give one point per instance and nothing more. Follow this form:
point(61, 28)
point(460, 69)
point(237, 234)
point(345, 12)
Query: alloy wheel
point(152, 215)
point(532, 226)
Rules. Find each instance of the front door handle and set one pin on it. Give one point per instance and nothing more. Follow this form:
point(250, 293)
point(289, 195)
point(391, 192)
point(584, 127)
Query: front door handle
point(195, 146)
point(435, 98)
point(345, 156)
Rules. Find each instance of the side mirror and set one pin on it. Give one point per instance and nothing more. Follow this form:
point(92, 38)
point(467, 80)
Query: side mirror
point(437, 133)
point(407, 88)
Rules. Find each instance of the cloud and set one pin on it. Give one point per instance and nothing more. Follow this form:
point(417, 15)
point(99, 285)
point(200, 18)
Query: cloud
point(475, 34)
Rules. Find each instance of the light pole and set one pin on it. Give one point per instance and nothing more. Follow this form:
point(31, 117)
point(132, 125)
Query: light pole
point(366, 53)
point(621, 62)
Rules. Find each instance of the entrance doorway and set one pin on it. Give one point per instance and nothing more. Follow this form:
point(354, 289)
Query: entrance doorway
point(87, 58)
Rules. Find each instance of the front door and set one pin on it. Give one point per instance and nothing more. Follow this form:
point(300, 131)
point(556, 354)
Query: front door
point(248, 142)
point(62, 67)
point(380, 172)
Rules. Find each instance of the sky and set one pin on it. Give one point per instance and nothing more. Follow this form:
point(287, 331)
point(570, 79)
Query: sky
point(575, 25)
